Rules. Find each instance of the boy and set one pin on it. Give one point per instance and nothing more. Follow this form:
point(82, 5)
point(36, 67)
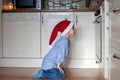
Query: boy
point(53, 63)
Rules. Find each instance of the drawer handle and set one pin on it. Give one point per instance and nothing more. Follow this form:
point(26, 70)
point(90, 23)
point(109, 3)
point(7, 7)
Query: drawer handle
point(116, 11)
point(116, 57)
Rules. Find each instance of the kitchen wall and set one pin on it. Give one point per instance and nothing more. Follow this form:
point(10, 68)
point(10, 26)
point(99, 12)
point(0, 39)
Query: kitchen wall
point(0, 30)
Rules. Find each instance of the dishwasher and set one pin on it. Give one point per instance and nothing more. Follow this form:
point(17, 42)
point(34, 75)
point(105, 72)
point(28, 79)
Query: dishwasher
point(21, 35)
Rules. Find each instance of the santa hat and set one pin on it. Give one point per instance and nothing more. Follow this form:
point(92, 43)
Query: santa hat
point(64, 27)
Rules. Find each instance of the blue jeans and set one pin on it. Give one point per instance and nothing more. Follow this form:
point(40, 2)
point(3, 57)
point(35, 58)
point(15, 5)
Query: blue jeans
point(51, 74)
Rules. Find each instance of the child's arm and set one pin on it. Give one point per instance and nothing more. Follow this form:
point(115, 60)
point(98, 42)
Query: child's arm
point(59, 67)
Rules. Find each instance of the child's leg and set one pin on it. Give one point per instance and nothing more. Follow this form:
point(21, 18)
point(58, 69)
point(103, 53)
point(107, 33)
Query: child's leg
point(39, 74)
point(53, 74)
point(40, 79)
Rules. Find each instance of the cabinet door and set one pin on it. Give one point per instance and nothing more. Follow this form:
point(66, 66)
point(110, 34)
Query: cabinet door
point(49, 20)
point(21, 39)
point(83, 43)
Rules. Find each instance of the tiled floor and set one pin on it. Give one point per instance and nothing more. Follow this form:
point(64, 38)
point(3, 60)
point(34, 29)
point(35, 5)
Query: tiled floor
point(27, 73)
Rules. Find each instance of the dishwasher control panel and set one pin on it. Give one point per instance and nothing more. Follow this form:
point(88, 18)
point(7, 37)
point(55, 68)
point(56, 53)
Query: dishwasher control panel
point(21, 16)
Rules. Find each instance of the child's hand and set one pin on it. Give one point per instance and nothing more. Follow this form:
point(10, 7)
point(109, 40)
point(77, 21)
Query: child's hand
point(61, 70)
point(59, 67)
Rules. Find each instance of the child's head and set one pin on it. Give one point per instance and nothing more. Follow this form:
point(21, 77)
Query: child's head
point(65, 27)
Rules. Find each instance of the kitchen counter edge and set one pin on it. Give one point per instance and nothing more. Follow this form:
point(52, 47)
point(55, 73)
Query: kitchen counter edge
point(44, 10)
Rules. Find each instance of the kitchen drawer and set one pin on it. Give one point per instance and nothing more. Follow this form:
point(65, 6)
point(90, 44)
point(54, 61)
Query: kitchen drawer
point(114, 4)
point(21, 16)
point(115, 43)
point(115, 23)
point(115, 31)
point(115, 57)
point(115, 64)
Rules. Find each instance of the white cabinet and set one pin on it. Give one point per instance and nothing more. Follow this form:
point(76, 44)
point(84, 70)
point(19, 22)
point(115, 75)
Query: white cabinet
point(21, 35)
point(111, 4)
point(82, 48)
point(27, 36)
point(48, 21)
point(82, 44)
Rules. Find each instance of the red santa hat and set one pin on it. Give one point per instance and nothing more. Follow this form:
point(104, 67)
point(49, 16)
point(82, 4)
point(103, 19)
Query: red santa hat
point(64, 27)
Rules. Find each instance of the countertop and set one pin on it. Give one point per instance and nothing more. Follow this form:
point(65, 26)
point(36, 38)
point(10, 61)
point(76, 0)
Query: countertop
point(50, 10)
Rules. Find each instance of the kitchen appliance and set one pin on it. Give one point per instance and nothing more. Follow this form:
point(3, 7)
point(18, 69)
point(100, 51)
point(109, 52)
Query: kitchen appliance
point(27, 3)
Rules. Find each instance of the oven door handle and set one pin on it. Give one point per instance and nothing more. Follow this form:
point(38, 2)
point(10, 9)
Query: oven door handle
point(116, 56)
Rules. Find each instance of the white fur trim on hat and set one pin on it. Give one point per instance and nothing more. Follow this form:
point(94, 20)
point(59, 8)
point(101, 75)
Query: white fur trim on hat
point(50, 46)
point(68, 28)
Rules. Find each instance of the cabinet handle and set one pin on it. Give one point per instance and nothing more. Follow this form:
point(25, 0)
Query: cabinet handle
point(76, 19)
point(42, 19)
point(116, 11)
point(96, 21)
point(116, 56)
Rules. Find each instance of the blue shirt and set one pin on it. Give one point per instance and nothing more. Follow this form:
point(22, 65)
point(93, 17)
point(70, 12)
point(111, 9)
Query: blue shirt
point(58, 53)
